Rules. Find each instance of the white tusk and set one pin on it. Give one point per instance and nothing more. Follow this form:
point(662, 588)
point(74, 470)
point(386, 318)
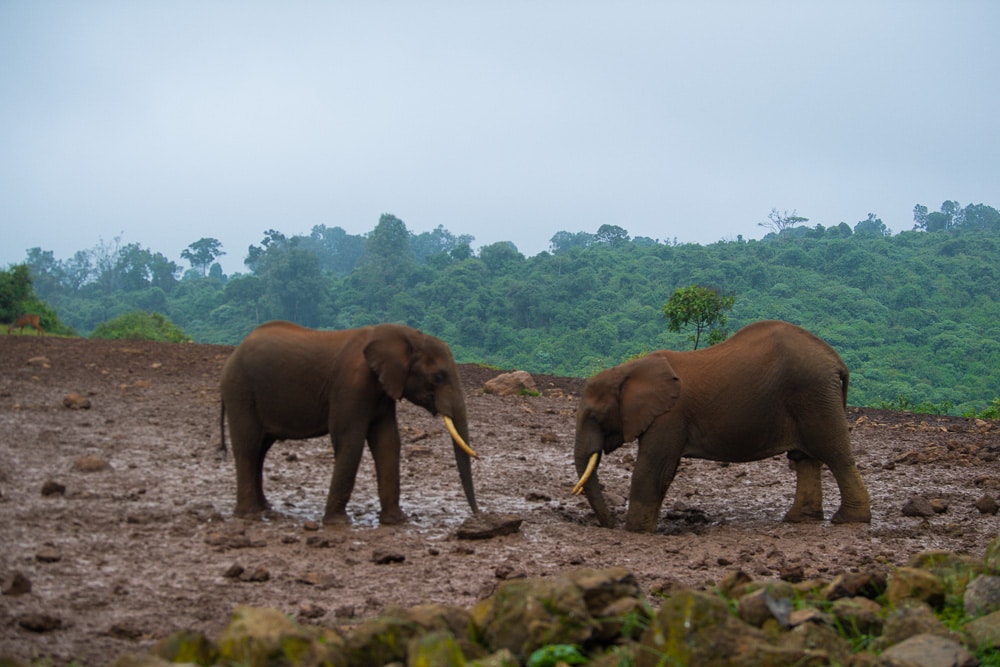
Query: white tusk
point(458, 439)
point(586, 474)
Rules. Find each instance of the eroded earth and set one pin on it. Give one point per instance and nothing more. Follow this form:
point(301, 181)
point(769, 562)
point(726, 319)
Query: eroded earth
point(116, 522)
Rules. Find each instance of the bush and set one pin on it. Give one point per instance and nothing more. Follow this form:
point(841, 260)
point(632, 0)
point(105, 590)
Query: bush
point(138, 325)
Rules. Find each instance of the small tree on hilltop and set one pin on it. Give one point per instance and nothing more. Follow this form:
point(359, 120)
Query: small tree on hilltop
point(701, 307)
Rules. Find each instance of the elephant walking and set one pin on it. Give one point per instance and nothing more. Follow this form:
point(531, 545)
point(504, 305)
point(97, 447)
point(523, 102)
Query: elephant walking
point(287, 382)
point(772, 387)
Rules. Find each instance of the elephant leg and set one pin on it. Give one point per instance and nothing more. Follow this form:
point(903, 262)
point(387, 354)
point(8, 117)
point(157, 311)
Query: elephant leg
point(855, 504)
point(383, 440)
point(653, 473)
point(808, 505)
point(835, 451)
point(250, 446)
point(347, 450)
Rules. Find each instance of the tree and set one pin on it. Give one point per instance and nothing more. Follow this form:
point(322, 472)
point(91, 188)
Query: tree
point(703, 307)
point(778, 222)
point(612, 235)
point(202, 253)
point(872, 226)
point(563, 241)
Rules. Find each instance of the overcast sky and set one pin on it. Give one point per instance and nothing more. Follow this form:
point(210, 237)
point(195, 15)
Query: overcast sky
point(165, 122)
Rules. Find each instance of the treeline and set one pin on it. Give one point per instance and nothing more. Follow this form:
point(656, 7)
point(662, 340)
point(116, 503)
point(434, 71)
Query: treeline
point(916, 315)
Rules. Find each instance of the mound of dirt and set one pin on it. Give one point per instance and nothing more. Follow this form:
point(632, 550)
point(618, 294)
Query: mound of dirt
point(116, 522)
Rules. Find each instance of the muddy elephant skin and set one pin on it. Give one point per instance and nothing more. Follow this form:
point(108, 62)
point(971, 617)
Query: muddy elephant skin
point(771, 388)
point(287, 382)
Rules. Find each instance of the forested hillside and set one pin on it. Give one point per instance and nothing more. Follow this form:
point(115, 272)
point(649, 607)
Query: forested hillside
point(916, 315)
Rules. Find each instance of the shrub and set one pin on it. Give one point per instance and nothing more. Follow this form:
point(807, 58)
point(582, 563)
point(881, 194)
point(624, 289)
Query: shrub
point(139, 325)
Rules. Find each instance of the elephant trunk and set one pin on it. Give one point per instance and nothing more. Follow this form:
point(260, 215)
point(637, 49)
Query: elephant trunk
point(458, 427)
point(587, 454)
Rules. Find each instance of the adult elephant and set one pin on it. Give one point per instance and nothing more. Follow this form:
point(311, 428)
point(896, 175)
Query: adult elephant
point(772, 387)
point(287, 382)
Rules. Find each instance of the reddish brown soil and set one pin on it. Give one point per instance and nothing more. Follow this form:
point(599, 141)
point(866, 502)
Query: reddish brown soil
point(145, 545)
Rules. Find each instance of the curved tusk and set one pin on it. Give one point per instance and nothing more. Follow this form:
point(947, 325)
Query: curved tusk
point(586, 474)
point(457, 438)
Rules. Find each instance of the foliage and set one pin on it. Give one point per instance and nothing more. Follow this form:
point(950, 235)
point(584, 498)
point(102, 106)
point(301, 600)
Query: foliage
point(556, 654)
point(914, 314)
point(138, 325)
point(17, 297)
point(703, 307)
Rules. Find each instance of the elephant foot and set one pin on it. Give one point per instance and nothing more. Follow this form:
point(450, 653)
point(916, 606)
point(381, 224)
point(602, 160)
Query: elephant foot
point(795, 516)
point(846, 515)
point(253, 512)
point(392, 517)
point(337, 519)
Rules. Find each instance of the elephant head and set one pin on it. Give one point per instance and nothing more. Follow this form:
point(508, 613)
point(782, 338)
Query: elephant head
point(619, 405)
point(420, 368)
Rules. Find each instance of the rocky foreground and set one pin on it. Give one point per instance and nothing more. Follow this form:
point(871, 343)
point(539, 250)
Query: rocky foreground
point(600, 617)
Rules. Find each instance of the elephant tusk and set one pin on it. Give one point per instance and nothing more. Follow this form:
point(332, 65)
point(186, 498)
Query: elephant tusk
point(586, 474)
point(458, 439)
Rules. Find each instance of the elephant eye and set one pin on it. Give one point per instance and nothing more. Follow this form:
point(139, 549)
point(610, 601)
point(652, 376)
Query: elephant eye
point(438, 378)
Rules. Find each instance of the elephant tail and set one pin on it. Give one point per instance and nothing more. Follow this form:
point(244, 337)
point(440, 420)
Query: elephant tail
point(845, 378)
point(223, 451)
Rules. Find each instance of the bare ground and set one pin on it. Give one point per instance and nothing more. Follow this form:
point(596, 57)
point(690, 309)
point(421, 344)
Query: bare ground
point(120, 516)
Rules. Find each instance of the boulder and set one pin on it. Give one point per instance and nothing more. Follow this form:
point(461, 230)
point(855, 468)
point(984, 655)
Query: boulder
point(511, 384)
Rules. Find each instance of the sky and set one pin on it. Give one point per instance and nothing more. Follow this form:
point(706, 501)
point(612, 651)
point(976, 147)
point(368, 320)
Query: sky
point(163, 122)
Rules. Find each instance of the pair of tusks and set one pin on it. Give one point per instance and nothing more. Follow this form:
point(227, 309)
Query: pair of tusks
point(586, 474)
point(450, 425)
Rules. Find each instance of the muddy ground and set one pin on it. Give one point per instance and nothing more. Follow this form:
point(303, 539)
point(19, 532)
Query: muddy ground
point(119, 517)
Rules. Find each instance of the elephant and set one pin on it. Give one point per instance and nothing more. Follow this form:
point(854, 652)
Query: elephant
point(771, 388)
point(288, 382)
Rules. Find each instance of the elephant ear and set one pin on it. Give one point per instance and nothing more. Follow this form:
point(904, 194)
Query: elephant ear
point(389, 354)
point(651, 388)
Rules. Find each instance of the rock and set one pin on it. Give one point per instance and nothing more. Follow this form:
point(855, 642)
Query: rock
point(187, 646)
point(511, 384)
point(985, 631)
point(909, 620)
point(991, 559)
point(918, 506)
point(807, 644)
point(53, 488)
point(939, 505)
point(527, 614)
point(76, 401)
point(483, 526)
point(385, 557)
point(39, 622)
point(41, 362)
point(310, 610)
point(15, 583)
point(257, 636)
point(982, 596)
point(257, 575)
point(695, 628)
point(930, 651)
point(381, 641)
point(91, 463)
point(772, 600)
point(987, 505)
point(48, 554)
point(233, 571)
point(854, 584)
point(439, 649)
point(911, 582)
point(858, 616)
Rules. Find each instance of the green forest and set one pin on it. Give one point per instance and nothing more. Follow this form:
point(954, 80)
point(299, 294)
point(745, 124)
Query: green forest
point(914, 314)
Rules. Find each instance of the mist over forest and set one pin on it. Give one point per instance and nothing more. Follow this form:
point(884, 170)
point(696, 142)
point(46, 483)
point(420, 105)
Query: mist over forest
point(915, 314)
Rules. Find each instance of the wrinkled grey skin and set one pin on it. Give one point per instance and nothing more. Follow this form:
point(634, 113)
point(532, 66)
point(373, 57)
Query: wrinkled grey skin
point(771, 388)
point(287, 382)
